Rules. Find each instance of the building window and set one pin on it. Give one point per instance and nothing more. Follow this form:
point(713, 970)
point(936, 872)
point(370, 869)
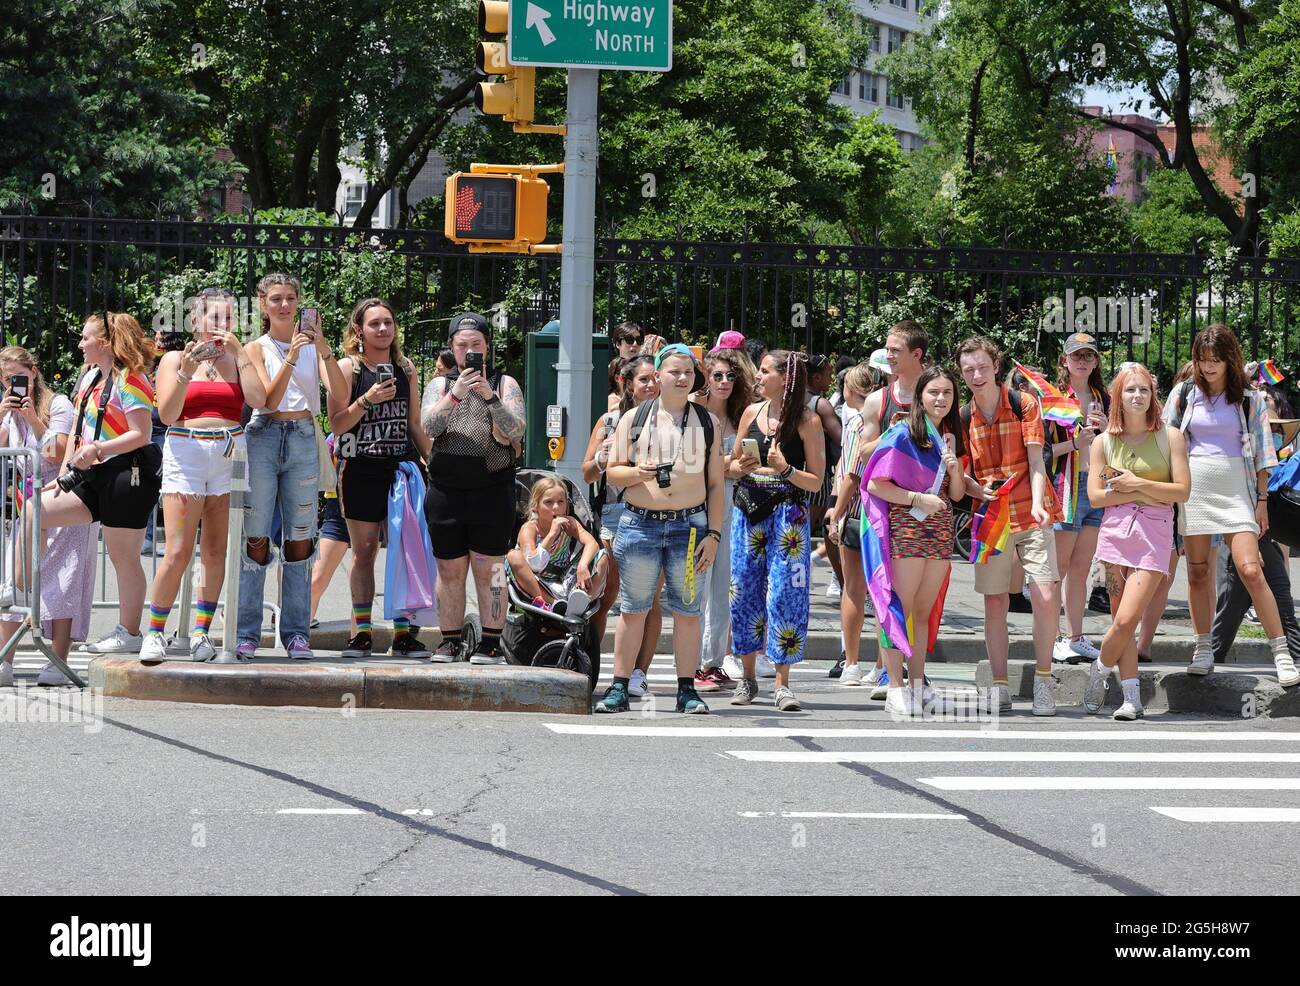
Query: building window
point(895, 40)
point(354, 197)
point(892, 98)
point(873, 31)
point(845, 86)
point(899, 3)
point(868, 87)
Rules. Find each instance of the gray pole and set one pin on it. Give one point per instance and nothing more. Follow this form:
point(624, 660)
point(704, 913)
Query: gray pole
point(577, 268)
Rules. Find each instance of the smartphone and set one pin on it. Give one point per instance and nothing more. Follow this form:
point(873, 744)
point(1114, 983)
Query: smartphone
point(18, 384)
point(997, 484)
point(309, 321)
point(205, 351)
point(750, 447)
point(384, 371)
point(474, 361)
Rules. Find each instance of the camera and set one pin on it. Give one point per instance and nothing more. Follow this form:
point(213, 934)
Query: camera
point(71, 479)
point(664, 476)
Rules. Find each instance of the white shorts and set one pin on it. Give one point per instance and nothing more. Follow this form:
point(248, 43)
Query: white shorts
point(197, 461)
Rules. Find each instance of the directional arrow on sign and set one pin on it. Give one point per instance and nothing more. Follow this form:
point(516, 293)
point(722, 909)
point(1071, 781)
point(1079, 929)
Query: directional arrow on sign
point(537, 18)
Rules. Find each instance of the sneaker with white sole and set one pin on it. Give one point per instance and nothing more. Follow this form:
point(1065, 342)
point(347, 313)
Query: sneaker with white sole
point(1094, 692)
point(154, 647)
point(245, 650)
point(786, 701)
point(637, 685)
point(1132, 707)
point(578, 602)
point(201, 648)
point(1287, 675)
point(732, 667)
point(746, 691)
point(881, 688)
point(898, 702)
point(299, 649)
point(852, 675)
point(6, 674)
point(833, 591)
point(1083, 649)
point(120, 641)
point(1044, 697)
point(766, 669)
point(51, 676)
point(999, 698)
point(872, 676)
point(1202, 662)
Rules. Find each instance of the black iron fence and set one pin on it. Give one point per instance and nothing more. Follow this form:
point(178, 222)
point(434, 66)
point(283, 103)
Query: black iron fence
point(823, 298)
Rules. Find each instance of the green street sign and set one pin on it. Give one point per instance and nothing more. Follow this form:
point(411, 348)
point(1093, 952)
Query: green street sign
point(632, 35)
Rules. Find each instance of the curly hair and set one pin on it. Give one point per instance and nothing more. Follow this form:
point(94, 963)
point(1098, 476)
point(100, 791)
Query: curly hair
point(41, 395)
point(742, 389)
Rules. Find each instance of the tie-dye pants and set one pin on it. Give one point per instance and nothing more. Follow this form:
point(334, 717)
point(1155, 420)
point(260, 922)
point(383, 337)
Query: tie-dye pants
point(770, 579)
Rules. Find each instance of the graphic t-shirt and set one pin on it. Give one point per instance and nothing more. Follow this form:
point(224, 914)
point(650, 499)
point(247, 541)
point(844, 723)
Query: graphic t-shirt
point(131, 392)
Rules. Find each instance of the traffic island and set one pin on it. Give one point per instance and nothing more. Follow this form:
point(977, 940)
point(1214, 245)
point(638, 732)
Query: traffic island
point(334, 685)
point(1230, 691)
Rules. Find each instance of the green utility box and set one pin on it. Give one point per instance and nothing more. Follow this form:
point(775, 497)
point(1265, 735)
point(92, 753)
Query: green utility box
point(540, 385)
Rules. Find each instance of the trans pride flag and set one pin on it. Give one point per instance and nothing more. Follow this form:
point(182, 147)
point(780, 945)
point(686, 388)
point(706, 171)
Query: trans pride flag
point(898, 459)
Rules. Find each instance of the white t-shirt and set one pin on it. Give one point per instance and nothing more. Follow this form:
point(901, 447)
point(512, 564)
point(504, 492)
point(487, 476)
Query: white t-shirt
point(303, 392)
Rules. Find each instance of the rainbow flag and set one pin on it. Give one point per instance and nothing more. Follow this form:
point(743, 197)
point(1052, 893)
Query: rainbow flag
point(1268, 371)
point(991, 525)
point(1056, 405)
point(898, 459)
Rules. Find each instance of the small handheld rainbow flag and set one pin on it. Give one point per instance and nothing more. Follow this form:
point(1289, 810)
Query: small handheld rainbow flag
point(991, 525)
point(1268, 371)
point(1056, 406)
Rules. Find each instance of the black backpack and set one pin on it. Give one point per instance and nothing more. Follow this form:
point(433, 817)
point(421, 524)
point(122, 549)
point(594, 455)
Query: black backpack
point(643, 415)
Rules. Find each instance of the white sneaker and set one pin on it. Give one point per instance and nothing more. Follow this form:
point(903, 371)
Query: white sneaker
point(765, 667)
point(852, 675)
point(1094, 692)
point(1287, 675)
point(637, 686)
point(201, 648)
point(1061, 650)
point(6, 674)
point(1044, 697)
point(154, 648)
point(872, 676)
point(999, 697)
point(1251, 615)
point(934, 704)
point(120, 641)
point(1082, 648)
point(732, 668)
point(578, 602)
point(51, 676)
point(1132, 707)
point(833, 590)
point(1202, 662)
point(898, 702)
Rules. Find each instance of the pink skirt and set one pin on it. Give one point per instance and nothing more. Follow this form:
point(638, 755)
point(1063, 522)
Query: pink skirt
point(1137, 536)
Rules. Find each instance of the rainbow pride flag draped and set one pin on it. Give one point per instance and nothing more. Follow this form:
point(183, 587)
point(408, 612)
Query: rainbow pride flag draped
point(1058, 407)
point(1268, 371)
point(898, 459)
point(991, 525)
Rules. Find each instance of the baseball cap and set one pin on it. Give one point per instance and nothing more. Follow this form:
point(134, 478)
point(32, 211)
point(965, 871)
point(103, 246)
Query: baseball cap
point(730, 339)
point(681, 349)
point(1080, 340)
point(879, 361)
point(469, 320)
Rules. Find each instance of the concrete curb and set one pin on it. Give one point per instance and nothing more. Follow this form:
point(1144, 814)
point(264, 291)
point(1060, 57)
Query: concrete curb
point(1245, 694)
point(499, 688)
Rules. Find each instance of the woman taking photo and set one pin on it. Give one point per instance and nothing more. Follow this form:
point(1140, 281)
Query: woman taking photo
point(291, 359)
point(202, 391)
point(638, 383)
point(728, 392)
point(378, 427)
point(1138, 472)
point(1230, 453)
point(111, 471)
point(32, 417)
point(769, 527)
point(910, 479)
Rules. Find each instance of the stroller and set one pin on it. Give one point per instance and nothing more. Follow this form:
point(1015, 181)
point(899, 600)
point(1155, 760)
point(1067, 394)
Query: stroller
point(539, 637)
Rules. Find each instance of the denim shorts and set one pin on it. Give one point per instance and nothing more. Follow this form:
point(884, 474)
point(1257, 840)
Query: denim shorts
point(333, 527)
point(645, 548)
point(609, 517)
point(1086, 515)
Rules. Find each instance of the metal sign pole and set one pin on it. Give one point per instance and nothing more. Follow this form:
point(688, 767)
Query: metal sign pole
point(234, 559)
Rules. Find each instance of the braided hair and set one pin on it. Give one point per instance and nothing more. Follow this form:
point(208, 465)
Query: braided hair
point(794, 368)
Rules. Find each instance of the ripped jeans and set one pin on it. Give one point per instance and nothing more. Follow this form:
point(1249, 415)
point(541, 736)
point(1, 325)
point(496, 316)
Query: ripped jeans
point(282, 468)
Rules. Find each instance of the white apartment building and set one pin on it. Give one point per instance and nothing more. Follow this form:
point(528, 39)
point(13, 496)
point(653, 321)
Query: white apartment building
point(889, 23)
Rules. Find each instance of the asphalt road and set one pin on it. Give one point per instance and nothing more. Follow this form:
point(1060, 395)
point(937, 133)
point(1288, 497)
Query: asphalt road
point(187, 799)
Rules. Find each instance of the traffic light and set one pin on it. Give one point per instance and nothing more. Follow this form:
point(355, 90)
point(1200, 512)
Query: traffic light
point(499, 208)
point(513, 98)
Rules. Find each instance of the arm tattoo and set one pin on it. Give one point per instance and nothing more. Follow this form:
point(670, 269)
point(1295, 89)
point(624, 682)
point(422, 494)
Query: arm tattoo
point(432, 416)
point(508, 414)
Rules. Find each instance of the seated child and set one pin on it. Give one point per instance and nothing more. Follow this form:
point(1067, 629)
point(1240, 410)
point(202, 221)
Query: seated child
point(557, 561)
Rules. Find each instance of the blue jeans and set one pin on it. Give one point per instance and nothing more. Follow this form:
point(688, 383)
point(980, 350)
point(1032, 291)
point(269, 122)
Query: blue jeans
point(643, 549)
point(283, 471)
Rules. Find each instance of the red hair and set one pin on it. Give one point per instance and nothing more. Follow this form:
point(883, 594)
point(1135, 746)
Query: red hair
point(1115, 426)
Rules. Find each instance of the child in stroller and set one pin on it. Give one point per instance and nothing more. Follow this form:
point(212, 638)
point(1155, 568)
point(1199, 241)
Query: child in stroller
point(557, 562)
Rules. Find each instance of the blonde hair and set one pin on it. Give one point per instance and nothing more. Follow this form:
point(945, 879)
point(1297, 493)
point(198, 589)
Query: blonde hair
point(859, 379)
point(352, 334)
point(540, 489)
point(132, 350)
point(270, 281)
point(1115, 422)
point(41, 395)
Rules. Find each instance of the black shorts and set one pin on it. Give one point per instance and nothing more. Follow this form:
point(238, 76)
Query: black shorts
point(112, 497)
point(363, 488)
point(461, 521)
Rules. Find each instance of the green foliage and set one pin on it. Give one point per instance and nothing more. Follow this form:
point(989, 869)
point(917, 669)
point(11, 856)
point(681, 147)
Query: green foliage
point(1172, 215)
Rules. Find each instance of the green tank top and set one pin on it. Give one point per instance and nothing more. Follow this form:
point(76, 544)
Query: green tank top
point(1149, 460)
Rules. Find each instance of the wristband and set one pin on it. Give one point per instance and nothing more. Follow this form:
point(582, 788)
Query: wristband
point(712, 533)
point(454, 398)
point(1261, 497)
point(290, 362)
point(789, 471)
point(492, 400)
point(365, 402)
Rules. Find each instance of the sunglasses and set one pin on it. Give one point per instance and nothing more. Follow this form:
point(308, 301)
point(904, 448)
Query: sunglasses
point(719, 376)
point(631, 340)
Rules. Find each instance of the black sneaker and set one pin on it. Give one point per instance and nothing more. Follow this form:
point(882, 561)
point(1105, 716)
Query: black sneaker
point(1020, 603)
point(838, 670)
point(448, 652)
point(1099, 601)
point(408, 645)
point(483, 654)
point(359, 646)
point(614, 700)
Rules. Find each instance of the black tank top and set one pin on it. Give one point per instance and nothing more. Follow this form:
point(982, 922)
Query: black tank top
point(793, 451)
point(467, 456)
point(383, 431)
point(891, 410)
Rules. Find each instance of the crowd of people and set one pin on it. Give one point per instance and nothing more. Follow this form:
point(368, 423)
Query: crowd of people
point(709, 474)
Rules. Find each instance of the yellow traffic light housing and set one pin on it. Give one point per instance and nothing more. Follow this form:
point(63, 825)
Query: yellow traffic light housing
point(499, 208)
point(513, 98)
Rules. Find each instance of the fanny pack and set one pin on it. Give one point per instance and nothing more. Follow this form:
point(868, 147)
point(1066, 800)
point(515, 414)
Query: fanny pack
point(758, 500)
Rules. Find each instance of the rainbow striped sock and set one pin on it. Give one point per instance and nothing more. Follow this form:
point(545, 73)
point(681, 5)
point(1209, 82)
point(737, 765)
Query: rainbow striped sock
point(158, 618)
point(203, 613)
point(401, 626)
point(361, 616)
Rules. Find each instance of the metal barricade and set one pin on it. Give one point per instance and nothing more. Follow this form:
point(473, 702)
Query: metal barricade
point(21, 548)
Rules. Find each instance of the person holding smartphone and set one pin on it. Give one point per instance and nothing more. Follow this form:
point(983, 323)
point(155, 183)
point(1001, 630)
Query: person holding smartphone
point(202, 390)
point(377, 425)
point(292, 358)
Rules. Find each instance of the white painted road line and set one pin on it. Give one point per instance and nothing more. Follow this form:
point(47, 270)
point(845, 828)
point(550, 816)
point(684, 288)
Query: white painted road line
point(1002, 732)
point(320, 811)
point(1231, 814)
point(1006, 756)
point(853, 814)
point(1112, 783)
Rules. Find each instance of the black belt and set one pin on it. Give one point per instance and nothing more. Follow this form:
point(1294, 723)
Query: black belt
point(668, 514)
